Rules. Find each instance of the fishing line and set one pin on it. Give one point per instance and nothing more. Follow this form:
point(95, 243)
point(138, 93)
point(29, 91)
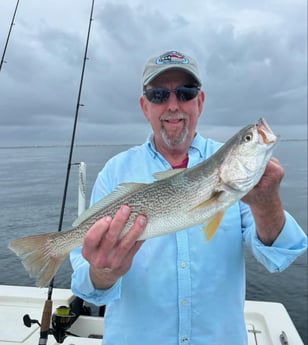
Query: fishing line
point(8, 36)
point(46, 316)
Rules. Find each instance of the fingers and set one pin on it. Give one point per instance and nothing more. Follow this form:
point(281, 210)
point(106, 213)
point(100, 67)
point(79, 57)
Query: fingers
point(117, 224)
point(128, 246)
point(274, 160)
point(266, 190)
point(103, 245)
point(134, 233)
point(95, 234)
point(274, 163)
point(274, 172)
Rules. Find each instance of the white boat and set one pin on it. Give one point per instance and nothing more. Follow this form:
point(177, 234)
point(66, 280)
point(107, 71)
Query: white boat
point(267, 323)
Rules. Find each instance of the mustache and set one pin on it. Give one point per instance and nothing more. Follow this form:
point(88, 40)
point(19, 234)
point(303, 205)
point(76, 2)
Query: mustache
point(173, 116)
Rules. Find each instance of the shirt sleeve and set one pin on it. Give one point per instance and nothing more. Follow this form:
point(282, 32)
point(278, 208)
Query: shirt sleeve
point(81, 284)
point(290, 244)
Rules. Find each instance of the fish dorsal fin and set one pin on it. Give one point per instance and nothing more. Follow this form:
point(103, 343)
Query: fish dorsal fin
point(121, 191)
point(161, 175)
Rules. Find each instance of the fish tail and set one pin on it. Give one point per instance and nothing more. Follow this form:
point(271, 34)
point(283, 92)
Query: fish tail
point(41, 255)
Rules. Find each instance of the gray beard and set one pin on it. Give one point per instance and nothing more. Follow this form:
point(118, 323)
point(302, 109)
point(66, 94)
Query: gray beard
point(177, 140)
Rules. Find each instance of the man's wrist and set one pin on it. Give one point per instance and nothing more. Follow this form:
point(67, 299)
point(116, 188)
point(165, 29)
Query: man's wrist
point(102, 278)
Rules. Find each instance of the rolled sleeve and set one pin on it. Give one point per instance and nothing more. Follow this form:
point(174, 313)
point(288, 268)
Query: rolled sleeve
point(81, 284)
point(291, 243)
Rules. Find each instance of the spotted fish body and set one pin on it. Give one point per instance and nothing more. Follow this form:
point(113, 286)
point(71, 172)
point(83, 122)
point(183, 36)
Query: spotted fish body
point(178, 199)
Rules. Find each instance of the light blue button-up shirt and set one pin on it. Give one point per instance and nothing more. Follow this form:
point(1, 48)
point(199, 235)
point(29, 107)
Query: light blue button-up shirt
point(181, 289)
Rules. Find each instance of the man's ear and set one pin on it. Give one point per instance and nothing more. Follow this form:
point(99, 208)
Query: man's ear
point(201, 99)
point(144, 107)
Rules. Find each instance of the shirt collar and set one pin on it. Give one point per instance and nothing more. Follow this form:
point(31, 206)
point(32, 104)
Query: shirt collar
point(198, 145)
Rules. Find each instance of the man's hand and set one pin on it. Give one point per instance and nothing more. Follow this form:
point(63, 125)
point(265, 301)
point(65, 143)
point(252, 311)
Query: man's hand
point(265, 203)
point(268, 187)
point(109, 256)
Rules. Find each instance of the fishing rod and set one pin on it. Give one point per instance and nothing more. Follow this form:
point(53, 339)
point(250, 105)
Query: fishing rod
point(46, 316)
point(8, 36)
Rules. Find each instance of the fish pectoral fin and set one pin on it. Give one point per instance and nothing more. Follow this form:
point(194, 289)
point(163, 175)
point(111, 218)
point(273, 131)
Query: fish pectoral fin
point(210, 228)
point(208, 202)
point(211, 225)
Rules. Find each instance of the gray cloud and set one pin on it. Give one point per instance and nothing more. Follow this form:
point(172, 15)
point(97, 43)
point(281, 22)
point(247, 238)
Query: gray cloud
point(252, 57)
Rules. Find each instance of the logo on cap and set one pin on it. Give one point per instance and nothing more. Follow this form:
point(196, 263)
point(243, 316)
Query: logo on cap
point(172, 57)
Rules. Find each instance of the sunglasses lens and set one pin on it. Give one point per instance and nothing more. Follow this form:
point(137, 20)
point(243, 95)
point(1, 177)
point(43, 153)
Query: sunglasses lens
point(159, 95)
point(186, 93)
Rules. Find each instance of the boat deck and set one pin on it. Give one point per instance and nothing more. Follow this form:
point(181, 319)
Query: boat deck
point(266, 322)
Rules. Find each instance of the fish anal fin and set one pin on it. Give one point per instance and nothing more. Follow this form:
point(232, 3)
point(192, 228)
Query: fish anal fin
point(210, 228)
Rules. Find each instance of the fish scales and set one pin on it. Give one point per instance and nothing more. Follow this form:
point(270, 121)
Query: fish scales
point(177, 200)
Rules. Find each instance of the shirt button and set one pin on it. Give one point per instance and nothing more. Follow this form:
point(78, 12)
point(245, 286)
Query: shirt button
point(184, 303)
point(184, 339)
point(183, 264)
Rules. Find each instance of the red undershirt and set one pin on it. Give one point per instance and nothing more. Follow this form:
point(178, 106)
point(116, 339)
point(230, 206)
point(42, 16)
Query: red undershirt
point(181, 165)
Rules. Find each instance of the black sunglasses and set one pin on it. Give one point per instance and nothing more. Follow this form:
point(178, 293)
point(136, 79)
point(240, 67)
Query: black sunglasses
point(159, 95)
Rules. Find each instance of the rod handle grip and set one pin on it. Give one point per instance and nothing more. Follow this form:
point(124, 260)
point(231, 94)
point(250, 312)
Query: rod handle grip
point(46, 316)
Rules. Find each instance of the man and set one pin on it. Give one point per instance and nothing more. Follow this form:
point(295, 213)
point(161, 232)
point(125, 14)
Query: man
point(177, 289)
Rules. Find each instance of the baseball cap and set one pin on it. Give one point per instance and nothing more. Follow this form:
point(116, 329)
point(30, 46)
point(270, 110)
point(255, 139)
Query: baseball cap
point(170, 60)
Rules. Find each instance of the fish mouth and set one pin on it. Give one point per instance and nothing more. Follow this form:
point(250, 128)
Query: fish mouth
point(266, 135)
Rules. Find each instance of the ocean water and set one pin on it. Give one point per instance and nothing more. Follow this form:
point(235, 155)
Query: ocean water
point(32, 181)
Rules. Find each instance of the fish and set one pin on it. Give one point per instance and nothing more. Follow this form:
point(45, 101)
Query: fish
point(177, 199)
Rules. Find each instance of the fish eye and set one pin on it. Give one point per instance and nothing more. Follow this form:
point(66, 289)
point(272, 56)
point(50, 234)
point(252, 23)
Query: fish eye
point(247, 137)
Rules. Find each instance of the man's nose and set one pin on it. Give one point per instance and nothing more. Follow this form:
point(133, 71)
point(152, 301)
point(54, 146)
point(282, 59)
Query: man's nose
point(172, 102)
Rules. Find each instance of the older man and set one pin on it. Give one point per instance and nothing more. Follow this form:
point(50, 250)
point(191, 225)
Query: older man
point(176, 289)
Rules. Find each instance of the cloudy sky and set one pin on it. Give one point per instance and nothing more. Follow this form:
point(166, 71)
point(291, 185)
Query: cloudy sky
point(252, 57)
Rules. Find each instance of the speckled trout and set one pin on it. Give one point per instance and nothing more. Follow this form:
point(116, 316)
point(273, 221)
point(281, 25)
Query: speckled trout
point(176, 200)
